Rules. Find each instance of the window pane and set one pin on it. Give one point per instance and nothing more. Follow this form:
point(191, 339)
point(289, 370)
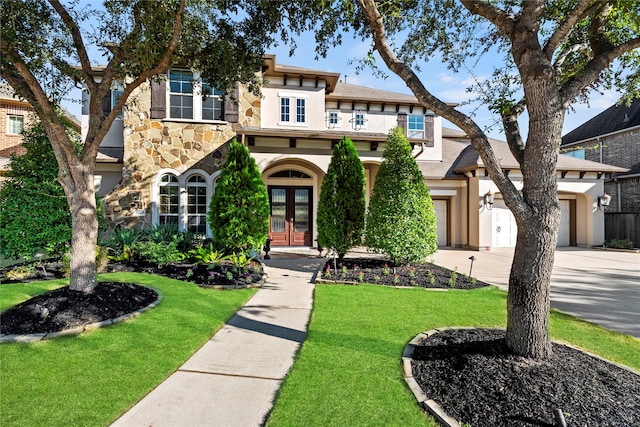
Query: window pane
point(301, 220)
point(15, 125)
point(212, 108)
point(284, 109)
point(278, 209)
point(180, 81)
point(181, 107)
point(300, 110)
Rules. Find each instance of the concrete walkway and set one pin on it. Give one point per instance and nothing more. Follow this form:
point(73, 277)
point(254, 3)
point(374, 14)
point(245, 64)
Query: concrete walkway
point(233, 379)
point(600, 286)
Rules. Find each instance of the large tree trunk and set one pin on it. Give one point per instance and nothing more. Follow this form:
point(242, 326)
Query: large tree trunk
point(82, 204)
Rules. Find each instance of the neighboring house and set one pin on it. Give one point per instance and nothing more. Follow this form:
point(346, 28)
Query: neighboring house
point(15, 115)
point(173, 142)
point(612, 137)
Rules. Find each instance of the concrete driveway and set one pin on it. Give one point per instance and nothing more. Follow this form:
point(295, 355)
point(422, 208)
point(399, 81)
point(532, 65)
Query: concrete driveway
point(600, 286)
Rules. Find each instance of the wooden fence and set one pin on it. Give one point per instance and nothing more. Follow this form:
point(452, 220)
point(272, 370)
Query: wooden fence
point(620, 225)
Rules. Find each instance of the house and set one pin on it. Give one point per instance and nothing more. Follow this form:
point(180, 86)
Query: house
point(15, 114)
point(173, 142)
point(612, 137)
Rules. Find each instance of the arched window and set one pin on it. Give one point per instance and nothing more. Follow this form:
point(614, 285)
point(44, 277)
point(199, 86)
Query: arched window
point(169, 203)
point(197, 204)
point(289, 173)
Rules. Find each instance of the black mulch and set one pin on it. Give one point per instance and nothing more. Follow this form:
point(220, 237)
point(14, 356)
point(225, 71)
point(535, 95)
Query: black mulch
point(473, 377)
point(381, 272)
point(63, 308)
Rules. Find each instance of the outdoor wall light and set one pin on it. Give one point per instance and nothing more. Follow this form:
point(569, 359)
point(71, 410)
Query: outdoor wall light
point(604, 201)
point(487, 200)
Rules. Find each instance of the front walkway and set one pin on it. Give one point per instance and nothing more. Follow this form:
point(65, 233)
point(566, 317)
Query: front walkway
point(600, 286)
point(233, 379)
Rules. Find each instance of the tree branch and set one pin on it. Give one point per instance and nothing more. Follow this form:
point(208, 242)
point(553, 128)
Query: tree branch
point(592, 70)
point(512, 131)
point(78, 42)
point(578, 13)
point(501, 19)
point(478, 138)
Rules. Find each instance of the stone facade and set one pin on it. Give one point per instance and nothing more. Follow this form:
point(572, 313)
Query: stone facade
point(619, 149)
point(151, 145)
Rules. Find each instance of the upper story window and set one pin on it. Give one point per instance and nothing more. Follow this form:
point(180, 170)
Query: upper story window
point(288, 101)
point(109, 101)
point(333, 119)
point(575, 153)
point(190, 99)
point(359, 120)
point(415, 126)
point(15, 124)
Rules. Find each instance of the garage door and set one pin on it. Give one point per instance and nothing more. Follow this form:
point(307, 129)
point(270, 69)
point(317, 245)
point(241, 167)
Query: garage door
point(441, 221)
point(505, 230)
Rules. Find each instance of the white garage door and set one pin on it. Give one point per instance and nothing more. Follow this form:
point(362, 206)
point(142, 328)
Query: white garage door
point(505, 230)
point(441, 221)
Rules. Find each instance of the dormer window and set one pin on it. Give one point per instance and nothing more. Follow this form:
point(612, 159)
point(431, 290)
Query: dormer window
point(191, 99)
point(289, 116)
point(333, 119)
point(415, 126)
point(359, 120)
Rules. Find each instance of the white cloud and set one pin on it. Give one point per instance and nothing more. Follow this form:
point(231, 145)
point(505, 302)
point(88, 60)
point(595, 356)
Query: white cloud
point(446, 78)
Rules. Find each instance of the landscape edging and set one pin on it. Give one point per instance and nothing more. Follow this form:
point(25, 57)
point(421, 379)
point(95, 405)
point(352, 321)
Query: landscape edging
point(31, 338)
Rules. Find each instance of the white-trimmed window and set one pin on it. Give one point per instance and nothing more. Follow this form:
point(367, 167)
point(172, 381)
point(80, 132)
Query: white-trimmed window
point(183, 199)
point(333, 119)
point(169, 199)
point(15, 124)
point(111, 99)
point(359, 120)
point(191, 99)
point(197, 204)
point(415, 126)
point(289, 116)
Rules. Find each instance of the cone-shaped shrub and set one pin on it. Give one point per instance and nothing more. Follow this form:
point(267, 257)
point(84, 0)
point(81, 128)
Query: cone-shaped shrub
point(239, 209)
point(401, 221)
point(341, 209)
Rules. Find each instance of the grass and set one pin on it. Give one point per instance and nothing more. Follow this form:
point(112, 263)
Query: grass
point(348, 371)
point(91, 379)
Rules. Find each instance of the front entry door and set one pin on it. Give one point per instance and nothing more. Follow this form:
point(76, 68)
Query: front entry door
point(291, 217)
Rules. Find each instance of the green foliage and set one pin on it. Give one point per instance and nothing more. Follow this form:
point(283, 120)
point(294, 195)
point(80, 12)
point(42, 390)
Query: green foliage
point(620, 244)
point(122, 242)
point(34, 213)
point(341, 209)
point(240, 260)
point(159, 254)
point(401, 221)
point(208, 255)
point(168, 233)
point(239, 209)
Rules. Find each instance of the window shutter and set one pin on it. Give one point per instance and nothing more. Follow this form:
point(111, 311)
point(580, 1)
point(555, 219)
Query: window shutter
point(231, 107)
point(402, 122)
point(428, 128)
point(159, 98)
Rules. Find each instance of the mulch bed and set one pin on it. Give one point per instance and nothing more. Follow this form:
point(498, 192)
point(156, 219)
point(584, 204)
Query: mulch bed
point(381, 272)
point(470, 373)
point(63, 308)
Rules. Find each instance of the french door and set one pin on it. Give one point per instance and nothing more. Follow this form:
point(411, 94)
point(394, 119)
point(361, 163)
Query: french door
point(291, 215)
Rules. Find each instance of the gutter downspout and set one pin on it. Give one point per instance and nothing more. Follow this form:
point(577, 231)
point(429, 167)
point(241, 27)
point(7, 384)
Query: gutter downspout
point(421, 151)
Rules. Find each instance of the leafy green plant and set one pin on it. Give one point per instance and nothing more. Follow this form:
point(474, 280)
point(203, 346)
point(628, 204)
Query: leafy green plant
point(453, 277)
point(122, 242)
point(33, 207)
point(341, 208)
point(401, 221)
point(22, 272)
point(162, 233)
point(208, 255)
point(160, 254)
point(240, 259)
point(239, 209)
point(620, 244)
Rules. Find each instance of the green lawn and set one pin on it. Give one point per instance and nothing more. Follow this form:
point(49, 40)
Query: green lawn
point(91, 379)
point(348, 371)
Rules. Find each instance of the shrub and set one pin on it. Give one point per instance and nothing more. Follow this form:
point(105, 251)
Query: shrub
point(621, 244)
point(239, 209)
point(401, 221)
point(341, 208)
point(33, 207)
point(159, 254)
point(208, 255)
point(122, 242)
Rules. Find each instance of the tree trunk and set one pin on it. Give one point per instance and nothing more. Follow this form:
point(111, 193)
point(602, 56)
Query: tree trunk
point(82, 204)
